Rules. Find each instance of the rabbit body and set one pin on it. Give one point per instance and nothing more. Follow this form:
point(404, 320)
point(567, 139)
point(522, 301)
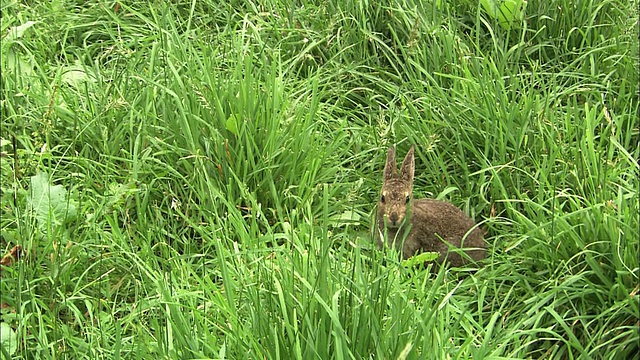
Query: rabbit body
point(426, 225)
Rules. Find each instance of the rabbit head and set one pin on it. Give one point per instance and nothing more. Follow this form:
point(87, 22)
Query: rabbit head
point(397, 190)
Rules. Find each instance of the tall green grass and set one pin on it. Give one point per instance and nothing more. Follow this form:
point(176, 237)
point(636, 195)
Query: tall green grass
point(223, 161)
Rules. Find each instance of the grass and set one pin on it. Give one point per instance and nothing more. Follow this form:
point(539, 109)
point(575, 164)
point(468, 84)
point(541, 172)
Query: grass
point(215, 167)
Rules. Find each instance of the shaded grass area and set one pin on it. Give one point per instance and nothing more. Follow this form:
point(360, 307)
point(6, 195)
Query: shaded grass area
point(223, 160)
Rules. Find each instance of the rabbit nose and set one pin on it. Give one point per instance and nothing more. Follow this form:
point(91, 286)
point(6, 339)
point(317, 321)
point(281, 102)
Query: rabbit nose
point(393, 218)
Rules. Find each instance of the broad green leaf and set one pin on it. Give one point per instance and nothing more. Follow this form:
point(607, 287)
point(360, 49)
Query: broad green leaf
point(8, 338)
point(232, 124)
point(346, 218)
point(76, 74)
point(490, 6)
point(18, 64)
point(18, 31)
point(49, 203)
point(420, 259)
point(509, 13)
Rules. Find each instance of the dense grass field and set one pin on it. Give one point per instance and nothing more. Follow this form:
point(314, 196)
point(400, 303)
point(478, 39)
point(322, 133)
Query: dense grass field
point(198, 179)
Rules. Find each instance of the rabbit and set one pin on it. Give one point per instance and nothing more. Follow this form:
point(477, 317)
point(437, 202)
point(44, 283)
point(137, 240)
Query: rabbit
point(422, 223)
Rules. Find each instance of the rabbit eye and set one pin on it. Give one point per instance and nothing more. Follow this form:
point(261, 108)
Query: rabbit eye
point(407, 199)
point(382, 198)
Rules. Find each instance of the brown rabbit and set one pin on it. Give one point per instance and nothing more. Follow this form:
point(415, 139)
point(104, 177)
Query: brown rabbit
point(429, 221)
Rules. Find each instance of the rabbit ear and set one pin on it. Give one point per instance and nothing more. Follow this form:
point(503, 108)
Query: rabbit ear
point(408, 166)
point(390, 166)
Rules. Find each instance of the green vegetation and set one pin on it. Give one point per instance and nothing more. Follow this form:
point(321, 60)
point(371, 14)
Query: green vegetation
point(196, 179)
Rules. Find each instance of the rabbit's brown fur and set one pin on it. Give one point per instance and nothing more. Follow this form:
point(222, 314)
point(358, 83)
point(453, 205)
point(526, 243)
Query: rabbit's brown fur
point(430, 221)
